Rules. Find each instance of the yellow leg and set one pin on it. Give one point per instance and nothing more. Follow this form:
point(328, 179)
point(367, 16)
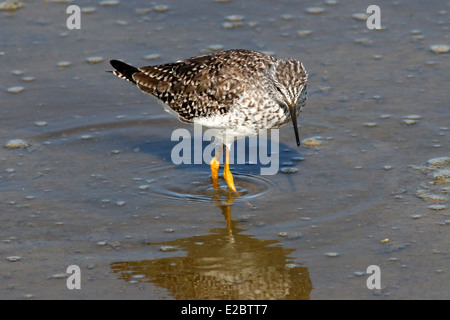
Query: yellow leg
point(226, 170)
point(215, 164)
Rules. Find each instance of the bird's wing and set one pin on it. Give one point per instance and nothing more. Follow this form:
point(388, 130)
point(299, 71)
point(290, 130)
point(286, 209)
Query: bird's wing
point(200, 86)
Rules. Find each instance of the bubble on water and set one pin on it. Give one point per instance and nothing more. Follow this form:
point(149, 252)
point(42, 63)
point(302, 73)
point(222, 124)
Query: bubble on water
point(63, 64)
point(409, 122)
point(437, 207)
point(160, 8)
point(121, 203)
point(168, 249)
point(93, 60)
point(121, 22)
point(416, 216)
point(17, 89)
point(10, 5)
point(288, 170)
point(64, 34)
point(360, 16)
point(40, 123)
point(331, 254)
point(59, 276)
point(144, 187)
point(102, 243)
point(304, 33)
point(109, 3)
point(88, 10)
point(413, 117)
point(28, 79)
point(17, 72)
point(86, 137)
point(393, 259)
point(370, 124)
point(169, 230)
point(13, 258)
point(440, 48)
point(282, 234)
point(312, 141)
point(235, 18)
point(231, 25)
point(315, 10)
point(152, 56)
point(16, 143)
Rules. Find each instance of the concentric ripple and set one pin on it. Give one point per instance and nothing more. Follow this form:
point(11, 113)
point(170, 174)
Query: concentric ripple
point(194, 185)
point(143, 147)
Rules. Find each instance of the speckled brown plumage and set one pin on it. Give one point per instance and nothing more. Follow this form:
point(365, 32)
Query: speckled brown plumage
point(241, 91)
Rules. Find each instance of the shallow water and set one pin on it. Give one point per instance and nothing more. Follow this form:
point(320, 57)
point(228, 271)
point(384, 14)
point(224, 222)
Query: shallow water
point(96, 186)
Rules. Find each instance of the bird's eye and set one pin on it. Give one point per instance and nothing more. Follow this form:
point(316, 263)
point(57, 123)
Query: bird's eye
point(279, 90)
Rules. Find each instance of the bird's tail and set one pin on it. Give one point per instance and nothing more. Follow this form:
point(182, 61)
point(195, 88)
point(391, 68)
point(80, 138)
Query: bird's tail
point(123, 70)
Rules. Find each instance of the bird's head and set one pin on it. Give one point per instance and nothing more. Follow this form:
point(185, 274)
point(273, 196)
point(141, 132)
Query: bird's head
point(287, 86)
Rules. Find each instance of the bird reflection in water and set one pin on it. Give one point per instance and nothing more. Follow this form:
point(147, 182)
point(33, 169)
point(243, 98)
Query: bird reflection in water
point(224, 264)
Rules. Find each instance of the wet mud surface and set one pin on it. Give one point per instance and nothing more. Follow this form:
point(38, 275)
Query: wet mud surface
point(90, 182)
